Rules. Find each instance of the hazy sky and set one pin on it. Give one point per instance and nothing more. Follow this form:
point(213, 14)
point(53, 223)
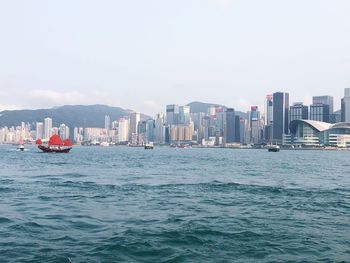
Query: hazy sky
point(144, 54)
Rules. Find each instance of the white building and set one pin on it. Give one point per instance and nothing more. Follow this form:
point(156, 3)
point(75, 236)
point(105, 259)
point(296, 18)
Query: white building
point(39, 130)
point(123, 130)
point(134, 122)
point(47, 128)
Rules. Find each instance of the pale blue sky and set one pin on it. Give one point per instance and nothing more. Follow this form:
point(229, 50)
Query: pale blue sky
point(145, 54)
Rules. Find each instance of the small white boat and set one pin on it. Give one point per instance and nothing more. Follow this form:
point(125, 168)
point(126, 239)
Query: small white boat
point(273, 148)
point(149, 146)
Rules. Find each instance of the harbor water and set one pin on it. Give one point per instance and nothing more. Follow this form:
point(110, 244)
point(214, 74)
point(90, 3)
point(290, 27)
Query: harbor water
point(120, 204)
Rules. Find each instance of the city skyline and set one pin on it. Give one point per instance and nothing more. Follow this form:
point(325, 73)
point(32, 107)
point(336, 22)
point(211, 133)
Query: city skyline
point(281, 121)
point(145, 55)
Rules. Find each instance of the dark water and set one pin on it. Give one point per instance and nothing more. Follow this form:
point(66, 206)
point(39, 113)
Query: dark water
point(167, 205)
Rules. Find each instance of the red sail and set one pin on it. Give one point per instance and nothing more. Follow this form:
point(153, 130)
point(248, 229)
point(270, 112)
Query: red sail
point(55, 140)
point(67, 142)
point(38, 142)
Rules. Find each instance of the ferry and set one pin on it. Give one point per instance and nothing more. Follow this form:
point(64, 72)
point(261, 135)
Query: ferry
point(273, 148)
point(55, 145)
point(149, 146)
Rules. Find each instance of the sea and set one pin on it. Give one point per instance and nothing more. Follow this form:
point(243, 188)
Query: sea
point(123, 204)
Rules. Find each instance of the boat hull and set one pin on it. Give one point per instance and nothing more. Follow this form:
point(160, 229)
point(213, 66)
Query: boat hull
point(46, 149)
point(274, 150)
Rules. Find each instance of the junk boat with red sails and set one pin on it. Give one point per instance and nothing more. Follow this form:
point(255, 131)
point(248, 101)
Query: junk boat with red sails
point(55, 145)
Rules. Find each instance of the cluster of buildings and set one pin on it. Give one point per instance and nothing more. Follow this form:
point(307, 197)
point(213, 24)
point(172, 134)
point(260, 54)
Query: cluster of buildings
point(279, 123)
point(25, 133)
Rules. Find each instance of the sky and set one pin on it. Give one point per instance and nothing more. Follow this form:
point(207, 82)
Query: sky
point(142, 55)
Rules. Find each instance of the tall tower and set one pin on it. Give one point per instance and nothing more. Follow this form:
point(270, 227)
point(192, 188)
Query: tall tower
point(134, 122)
point(107, 122)
point(269, 110)
point(280, 115)
point(47, 128)
point(172, 114)
point(39, 130)
point(345, 106)
point(229, 126)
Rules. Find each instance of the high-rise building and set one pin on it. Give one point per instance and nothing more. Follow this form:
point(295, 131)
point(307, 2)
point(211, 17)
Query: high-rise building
point(320, 112)
point(237, 129)
point(269, 110)
point(298, 111)
point(345, 106)
point(159, 128)
point(64, 131)
point(255, 124)
point(39, 130)
point(280, 115)
point(47, 128)
point(134, 122)
point(229, 126)
point(327, 100)
point(107, 122)
point(172, 114)
point(184, 115)
point(123, 130)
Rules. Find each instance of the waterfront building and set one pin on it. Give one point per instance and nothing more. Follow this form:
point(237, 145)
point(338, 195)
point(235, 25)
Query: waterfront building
point(229, 126)
point(255, 127)
point(64, 131)
point(316, 133)
point(39, 130)
point(150, 130)
point(181, 133)
point(237, 129)
point(133, 124)
point(298, 111)
point(47, 128)
point(159, 128)
point(95, 135)
point(123, 130)
point(78, 135)
point(269, 110)
point(345, 106)
point(280, 116)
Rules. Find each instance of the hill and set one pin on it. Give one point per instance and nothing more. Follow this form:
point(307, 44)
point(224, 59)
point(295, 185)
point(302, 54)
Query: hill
point(71, 115)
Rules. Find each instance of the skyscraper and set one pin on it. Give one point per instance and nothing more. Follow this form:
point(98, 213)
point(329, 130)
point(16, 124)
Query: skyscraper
point(229, 126)
point(134, 122)
point(39, 130)
point(123, 130)
point(320, 112)
point(64, 131)
point(47, 128)
point(298, 111)
point(345, 106)
point(172, 114)
point(269, 110)
point(237, 129)
point(255, 124)
point(107, 123)
point(327, 100)
point(184, 115)
point(280, 115)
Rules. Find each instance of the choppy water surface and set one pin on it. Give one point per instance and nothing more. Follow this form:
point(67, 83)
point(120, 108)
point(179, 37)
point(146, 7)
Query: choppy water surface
point(188, 205)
